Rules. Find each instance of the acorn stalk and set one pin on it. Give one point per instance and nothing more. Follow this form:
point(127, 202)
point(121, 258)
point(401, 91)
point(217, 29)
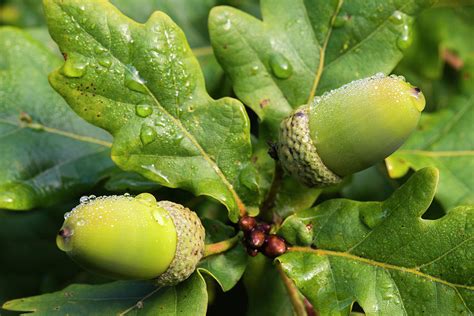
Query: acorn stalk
point(126, 237)
point(348, 129)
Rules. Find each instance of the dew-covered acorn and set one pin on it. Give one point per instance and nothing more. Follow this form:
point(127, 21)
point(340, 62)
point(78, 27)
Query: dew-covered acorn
point(348, 129)
point(127, 237)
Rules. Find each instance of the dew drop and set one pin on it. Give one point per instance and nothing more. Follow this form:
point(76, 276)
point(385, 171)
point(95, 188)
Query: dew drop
point(254, 70)
point(134, 82)
point(67, 215)
point(158, 217)
point(80, 222)
point(147, 135)
point(105, 62)
point(146, 197)
point(84, 199)
point(64, 243)
point(227, 25)
point(74, 67)
point(405, 39)
point(100, 50)
point(396, 17)
point(281, 67)
point(143, 110)
point(126, 194)
point(341, 20)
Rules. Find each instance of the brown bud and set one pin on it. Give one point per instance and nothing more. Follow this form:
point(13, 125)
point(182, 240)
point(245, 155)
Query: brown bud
point(264, 227)
point(247, 223)
point(256, 238)
point(252, 252)
point(275, 246)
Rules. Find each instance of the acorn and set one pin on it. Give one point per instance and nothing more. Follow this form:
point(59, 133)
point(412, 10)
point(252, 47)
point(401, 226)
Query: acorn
point(125, 237)
point(348, 129)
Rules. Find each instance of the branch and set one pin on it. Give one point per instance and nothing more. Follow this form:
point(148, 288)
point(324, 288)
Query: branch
point(293, 292)
point(222, 246)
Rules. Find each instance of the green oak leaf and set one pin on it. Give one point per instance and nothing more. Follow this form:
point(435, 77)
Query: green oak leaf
point(190, 15)
point(31, 262)
point(267, 295)
point(443, 140)
point(226, 268)
point(49, 153)
point(119, 298)
point(142, 83)
point(441, 60)
point(383, 255)
point(304, 48)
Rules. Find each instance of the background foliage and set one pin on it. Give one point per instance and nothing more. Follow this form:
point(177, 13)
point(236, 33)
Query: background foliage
point(393, 256)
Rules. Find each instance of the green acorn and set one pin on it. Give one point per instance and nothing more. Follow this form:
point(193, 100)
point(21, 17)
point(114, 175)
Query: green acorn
point(127, 237)
point(348, 129)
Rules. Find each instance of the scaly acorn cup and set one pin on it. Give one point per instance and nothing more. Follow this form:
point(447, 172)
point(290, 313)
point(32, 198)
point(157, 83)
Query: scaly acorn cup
point(348, 129)
point(127, 237)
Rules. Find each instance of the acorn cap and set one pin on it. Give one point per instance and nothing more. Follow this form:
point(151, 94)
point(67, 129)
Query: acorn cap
point(126, 237)
point(348, 129)
point(190, 248)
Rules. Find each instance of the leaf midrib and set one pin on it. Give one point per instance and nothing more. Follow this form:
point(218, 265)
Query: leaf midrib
point(56, 131)
point(212, 163)
point(387, 266)
point(363, 40)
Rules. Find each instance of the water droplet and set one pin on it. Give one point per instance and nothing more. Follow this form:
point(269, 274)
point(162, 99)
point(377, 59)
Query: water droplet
point(405, 39)
point(341, 20)
point(126, 194)
point(397, 17)
point(67, 214)
point(133, 80)
point(80, 222)
point(146, 197)
point(147, 134)
point(158, 217)
point(100, 50)
point(254, 70)
point(281, 67)
point(74, 67)
point(143, 110)
point(227, 25)
point(105, 62)
point(92, 197)
point(84, 199)
point(64, 243)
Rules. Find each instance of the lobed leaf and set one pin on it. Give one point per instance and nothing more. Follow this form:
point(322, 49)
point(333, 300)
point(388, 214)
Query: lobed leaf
point(302, 48)
point(444, 140)
point(226, 268)
point(142, 83)
point(384, 255)
point(49, 154)
point(119, 298)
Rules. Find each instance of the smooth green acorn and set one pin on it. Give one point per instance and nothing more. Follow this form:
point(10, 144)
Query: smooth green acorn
point(127, 237)
point(348, 129)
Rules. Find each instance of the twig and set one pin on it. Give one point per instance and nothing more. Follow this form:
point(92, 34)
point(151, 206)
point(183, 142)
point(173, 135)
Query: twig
point(293, 293)
point(267, 205)
point(222, 246)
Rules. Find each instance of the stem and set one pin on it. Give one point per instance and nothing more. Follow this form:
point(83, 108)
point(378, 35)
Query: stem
point(269, 203)
point(293, 292)
point(202, 51)
point(222, 246)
